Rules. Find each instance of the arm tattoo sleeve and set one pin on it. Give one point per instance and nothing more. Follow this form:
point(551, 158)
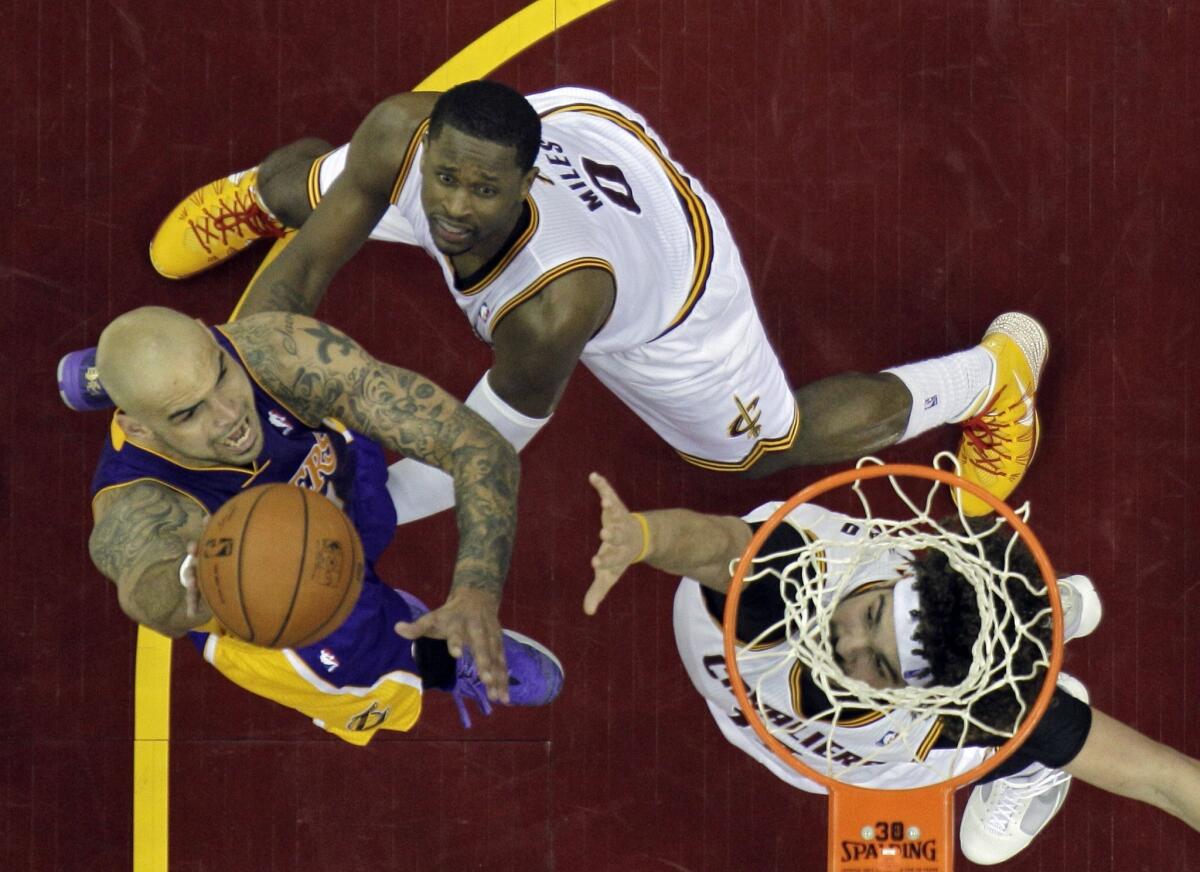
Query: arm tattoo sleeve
point(321, 372)
point(138, 543)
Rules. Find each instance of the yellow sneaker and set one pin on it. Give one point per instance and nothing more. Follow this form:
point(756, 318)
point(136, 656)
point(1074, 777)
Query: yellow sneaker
point(1000, 435)
point(212, 225)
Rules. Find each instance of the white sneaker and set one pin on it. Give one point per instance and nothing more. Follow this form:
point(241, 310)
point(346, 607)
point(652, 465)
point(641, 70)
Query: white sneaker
point(1081, 608)
point(1003, 816)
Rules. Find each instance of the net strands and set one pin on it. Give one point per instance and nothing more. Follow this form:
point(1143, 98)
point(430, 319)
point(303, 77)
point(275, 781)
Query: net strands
point(916, 716)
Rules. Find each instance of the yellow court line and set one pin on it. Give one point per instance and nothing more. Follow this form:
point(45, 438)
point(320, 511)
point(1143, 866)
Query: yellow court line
point(151, 759)
point(152, 681)
point(507, 40)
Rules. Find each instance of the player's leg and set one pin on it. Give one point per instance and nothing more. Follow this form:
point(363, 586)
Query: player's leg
point(842, 417)
point(851, 414)
point(989, 390)
point(283, 179)
point(222, 218)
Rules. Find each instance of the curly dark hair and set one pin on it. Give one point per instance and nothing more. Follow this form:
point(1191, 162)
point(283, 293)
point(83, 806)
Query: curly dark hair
point(493, 112)
point(948, 623)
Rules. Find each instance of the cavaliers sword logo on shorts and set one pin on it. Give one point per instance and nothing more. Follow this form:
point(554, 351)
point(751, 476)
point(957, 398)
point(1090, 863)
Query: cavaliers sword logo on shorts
point(746, 423)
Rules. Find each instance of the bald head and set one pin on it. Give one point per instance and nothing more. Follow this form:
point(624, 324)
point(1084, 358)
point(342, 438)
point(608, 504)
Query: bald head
point(144, 353)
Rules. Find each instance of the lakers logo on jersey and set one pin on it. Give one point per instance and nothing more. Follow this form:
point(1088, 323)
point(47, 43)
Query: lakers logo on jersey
point(368, 719)
point(319, 465)
point(746, 423)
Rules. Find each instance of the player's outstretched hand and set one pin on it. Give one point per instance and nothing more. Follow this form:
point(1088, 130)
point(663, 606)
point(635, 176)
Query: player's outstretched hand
point(621, 542)
point(468, 619)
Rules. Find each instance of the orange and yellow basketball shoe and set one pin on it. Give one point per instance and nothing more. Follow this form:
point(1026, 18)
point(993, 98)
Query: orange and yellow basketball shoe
point(1000, 435)
point(212, 225)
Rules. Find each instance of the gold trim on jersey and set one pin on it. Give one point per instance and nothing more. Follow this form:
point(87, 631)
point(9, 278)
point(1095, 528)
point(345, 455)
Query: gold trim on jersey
point(152, 480)
point(931, 737)
point(120, 437)
point(737, 640)
point(761, 447)
point(410, 155)
point(314, 171)
point(518, 245)
point(314, 180)
point(697, 214)
point(796, 687)
point(546, 278)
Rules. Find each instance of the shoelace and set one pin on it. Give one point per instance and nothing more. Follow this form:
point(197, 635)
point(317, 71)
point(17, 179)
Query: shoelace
point(468, 686)
point(238, 212)
point(983, 432)
point(1014, 798)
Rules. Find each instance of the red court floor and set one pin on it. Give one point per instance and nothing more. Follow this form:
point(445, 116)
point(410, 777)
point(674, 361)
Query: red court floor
point(896, 174)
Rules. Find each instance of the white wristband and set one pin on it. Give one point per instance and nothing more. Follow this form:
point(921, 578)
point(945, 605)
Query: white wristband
point(188, 561)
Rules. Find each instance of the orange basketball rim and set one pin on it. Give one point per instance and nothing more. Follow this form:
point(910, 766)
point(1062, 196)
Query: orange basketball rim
point(909, 830)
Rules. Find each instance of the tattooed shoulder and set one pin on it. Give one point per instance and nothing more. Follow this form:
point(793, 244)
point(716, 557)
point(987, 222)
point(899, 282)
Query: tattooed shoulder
point(139, 524)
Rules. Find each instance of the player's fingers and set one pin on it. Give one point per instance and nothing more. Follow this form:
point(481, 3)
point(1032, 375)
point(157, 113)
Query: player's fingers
point(598, 590)
point(452, 631)
point(484, 638)
point(608, 496)
point(426, 625)
point(489, 648)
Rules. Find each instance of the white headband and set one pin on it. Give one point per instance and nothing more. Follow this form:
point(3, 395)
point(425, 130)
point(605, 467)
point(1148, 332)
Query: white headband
point(914, 668)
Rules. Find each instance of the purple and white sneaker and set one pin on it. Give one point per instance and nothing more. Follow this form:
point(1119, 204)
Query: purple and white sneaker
point(79, 384)
point(535, 677)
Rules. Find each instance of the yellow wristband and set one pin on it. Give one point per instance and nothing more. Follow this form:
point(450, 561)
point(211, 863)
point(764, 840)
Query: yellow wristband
point(641, 519)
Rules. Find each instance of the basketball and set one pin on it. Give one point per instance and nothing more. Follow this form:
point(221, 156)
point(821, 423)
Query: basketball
point(280, 566)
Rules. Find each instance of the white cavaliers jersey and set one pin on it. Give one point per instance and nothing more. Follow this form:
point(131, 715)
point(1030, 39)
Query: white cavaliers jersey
point(607, 197)
point(778, 681)
point(683, 346)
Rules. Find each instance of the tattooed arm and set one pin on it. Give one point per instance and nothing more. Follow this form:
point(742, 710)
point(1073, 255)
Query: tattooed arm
point(320, 372)
point(139, 541)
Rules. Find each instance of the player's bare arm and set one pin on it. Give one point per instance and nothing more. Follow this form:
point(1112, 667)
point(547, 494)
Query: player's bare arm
point(350, 209)
point(1119, 759)
point(139, 540)
point(538, 344)
point(320, 372)
point(676, 541)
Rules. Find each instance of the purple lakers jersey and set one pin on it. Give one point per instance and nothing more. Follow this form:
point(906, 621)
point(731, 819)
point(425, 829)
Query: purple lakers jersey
point(326, 459)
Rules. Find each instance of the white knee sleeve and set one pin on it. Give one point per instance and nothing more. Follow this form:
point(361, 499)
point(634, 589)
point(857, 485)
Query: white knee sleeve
point(419, 490)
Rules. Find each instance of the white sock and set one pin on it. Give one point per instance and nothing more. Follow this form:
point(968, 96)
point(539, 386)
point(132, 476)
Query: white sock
point(946, 389)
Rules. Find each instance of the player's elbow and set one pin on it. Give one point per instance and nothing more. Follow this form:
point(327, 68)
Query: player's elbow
point(148, 600)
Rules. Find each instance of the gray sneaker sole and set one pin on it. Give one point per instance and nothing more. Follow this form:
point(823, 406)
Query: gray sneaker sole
point(1030, 336)
point(537, 646)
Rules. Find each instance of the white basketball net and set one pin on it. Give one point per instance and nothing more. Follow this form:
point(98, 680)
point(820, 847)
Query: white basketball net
point(812, 583)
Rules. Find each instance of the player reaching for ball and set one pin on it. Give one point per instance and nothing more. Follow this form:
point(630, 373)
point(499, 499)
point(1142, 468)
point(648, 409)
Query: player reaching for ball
point(204, 413)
